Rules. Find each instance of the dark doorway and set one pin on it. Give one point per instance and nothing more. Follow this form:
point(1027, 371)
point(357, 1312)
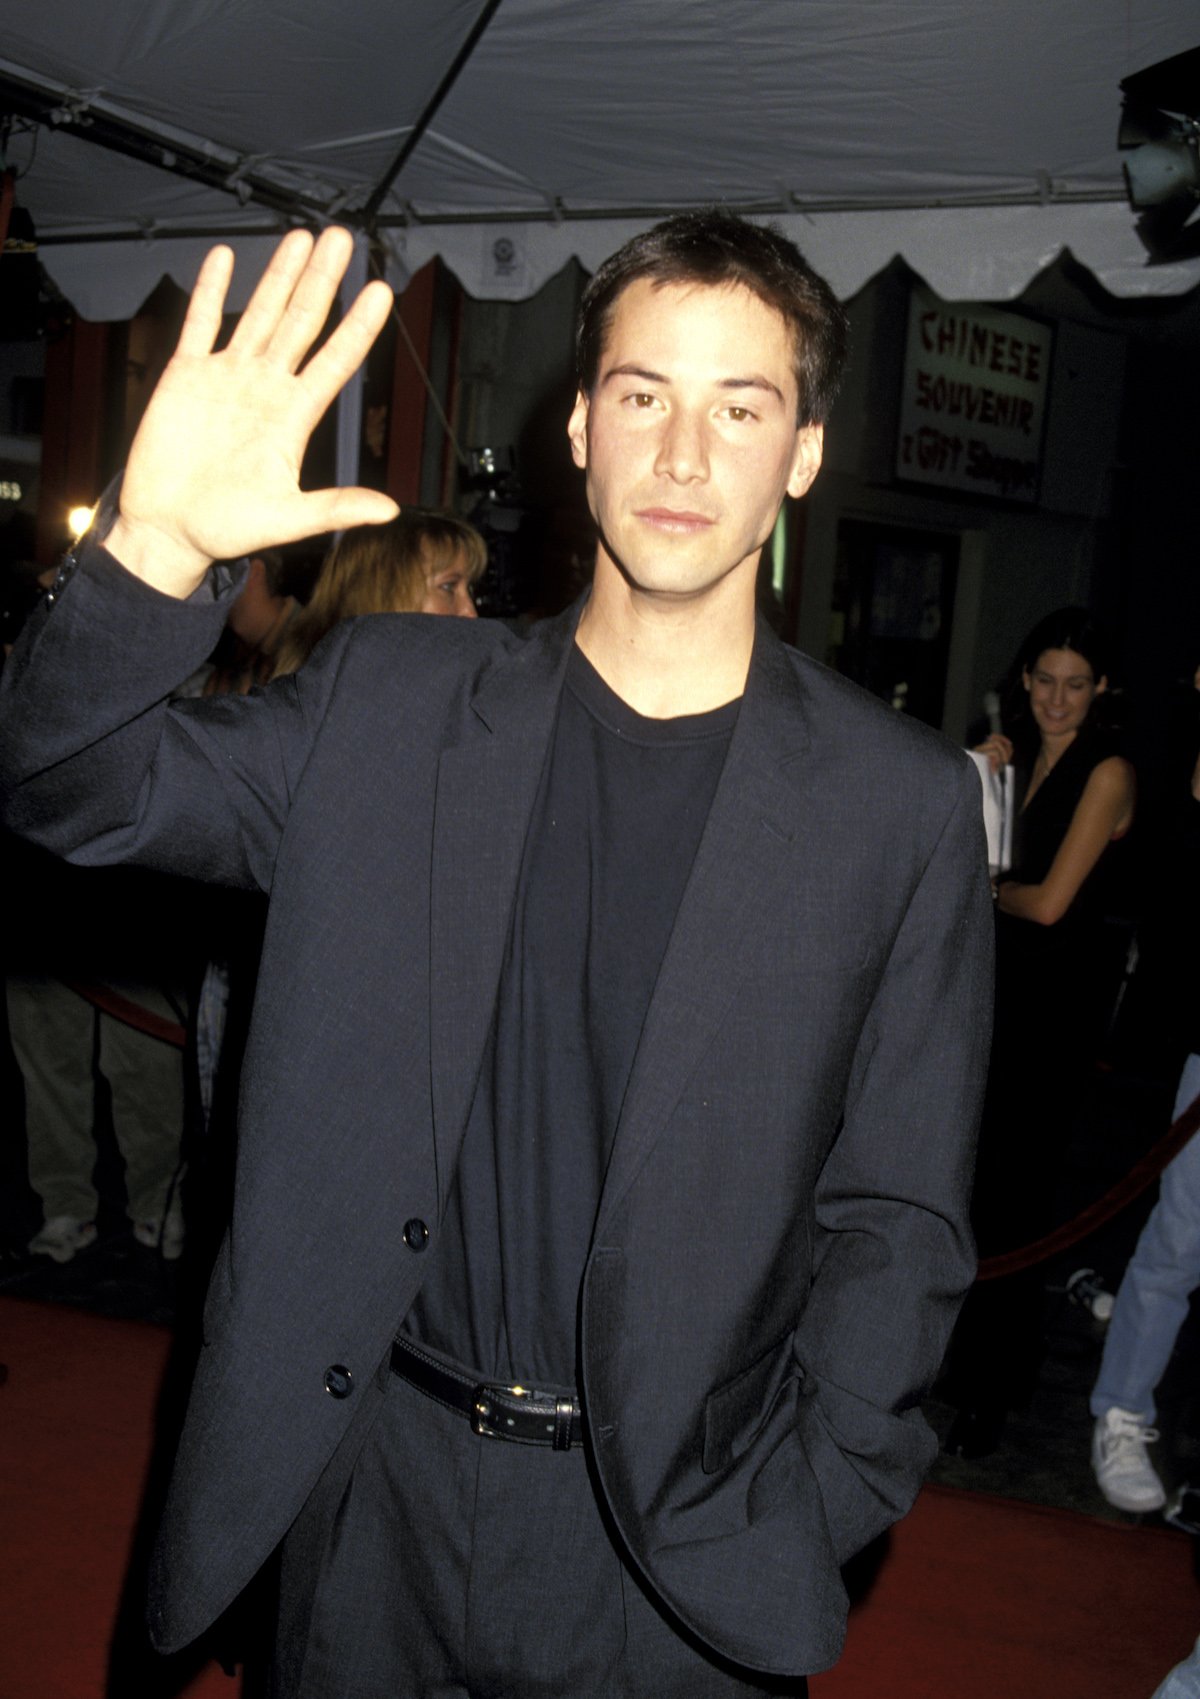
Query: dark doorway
point(892, 611)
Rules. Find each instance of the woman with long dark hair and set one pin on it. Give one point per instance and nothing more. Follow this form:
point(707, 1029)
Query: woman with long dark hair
point(1075, 799)
point(1075, 791)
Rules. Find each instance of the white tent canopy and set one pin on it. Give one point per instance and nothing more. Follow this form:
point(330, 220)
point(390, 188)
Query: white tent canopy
point(976, 141)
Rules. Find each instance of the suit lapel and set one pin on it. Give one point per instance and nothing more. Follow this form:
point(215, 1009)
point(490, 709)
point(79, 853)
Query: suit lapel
point(737, 881)
point(486, 788)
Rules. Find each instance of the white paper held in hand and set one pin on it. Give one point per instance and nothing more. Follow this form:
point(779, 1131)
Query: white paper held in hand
point(997, 811)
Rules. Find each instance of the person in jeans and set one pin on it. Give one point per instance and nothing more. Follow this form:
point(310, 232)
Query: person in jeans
point(1151, 1306)
point(1183, 1682)
point(1152, 1301)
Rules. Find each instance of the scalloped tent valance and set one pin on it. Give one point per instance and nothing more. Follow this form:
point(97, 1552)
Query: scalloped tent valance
point(508, 136)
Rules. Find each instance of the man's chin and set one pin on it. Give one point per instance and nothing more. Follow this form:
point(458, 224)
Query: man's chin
point(675, 580)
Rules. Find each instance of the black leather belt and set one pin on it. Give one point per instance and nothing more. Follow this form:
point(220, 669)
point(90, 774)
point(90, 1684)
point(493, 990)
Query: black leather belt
point(503, 1412)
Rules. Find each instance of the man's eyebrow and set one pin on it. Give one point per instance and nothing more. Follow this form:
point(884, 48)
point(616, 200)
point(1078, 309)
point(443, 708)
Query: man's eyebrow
point(756, 382)
point(630, 370)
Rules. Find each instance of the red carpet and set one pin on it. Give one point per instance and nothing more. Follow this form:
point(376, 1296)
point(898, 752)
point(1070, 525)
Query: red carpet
point(985, 1598)
point(76, 1426)
point(977, 1598)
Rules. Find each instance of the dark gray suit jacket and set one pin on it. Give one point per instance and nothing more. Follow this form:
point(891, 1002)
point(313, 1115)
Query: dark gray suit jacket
point(782, 1240)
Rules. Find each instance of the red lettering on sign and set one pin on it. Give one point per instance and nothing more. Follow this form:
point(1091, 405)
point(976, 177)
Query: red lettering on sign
point(958, 399)
point(972, 343)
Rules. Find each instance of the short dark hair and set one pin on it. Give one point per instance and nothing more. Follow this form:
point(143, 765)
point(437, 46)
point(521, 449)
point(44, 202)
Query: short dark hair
point(715, 247)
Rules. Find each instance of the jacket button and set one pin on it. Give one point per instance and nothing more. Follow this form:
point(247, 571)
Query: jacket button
point(339, 1382)
point(416, 1234)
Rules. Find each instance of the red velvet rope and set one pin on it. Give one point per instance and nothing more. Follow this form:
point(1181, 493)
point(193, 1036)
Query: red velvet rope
point(112, 1003)
point(1141, 1175)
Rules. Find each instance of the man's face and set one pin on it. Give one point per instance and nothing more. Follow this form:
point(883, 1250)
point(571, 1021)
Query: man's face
point(689, 438)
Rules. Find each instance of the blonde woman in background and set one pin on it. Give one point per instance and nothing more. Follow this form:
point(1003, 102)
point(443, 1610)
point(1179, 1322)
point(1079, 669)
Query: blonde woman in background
point(423, 562)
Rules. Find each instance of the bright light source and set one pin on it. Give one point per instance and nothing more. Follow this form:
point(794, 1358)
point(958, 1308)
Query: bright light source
point(79, 519)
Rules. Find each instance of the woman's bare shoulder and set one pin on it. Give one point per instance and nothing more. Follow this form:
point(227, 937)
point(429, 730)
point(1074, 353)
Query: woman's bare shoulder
point(1111, 788)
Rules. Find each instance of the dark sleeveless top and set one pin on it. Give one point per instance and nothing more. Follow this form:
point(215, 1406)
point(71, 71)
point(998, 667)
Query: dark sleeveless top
point(1052, 982)
point(1039, 829)
point(1054, 989)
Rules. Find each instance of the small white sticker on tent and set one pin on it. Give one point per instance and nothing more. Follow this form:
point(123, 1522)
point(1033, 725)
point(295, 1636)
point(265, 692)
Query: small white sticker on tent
point(505, 262)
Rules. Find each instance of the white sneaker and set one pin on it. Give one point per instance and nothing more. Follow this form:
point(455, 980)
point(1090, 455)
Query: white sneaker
point(165, 1236)
point(62, 1236)
point(1124, 1472)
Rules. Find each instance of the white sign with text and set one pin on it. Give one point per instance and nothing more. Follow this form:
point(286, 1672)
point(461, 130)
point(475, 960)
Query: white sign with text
point(973, 399)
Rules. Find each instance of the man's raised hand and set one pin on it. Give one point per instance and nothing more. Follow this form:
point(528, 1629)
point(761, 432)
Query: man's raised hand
point(214, 471)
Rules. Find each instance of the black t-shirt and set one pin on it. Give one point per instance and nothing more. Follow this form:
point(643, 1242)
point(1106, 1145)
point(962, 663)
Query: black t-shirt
point(620, 811)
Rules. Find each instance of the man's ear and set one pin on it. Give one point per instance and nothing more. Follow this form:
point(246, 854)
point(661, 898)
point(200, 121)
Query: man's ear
point(810, 446)
point(577, 429)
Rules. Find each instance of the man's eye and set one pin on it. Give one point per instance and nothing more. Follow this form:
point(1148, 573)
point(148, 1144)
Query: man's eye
point(738, 414)
point(641, 399)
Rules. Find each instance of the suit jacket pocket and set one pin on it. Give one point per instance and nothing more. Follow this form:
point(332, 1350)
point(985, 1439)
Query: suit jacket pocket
point(736, 1413)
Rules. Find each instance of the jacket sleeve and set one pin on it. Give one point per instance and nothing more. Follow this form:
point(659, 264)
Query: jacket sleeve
point(97, 763)
point(894, 1255)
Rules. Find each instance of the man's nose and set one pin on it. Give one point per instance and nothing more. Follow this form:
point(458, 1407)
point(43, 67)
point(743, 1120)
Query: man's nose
point(683, 449)
point(465, 603)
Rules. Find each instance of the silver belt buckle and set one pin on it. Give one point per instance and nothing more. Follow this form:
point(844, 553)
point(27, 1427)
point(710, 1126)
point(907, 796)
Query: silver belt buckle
point(486, 1419)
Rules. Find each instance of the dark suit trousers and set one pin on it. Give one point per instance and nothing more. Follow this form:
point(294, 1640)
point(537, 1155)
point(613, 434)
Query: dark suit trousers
point(432, 1564)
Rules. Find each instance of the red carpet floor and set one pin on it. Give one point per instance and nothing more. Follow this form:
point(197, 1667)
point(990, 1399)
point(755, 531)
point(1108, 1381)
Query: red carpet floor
point(76, 1428)
point(985, 1598)
point(977, 1597)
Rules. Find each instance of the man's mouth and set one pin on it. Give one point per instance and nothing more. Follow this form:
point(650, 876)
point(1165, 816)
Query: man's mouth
point(681, 520)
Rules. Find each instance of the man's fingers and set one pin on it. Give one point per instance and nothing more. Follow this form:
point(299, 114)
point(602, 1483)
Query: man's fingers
point(332, 365)
point(340, 508)
point(202, 324)
point(307, 309)
point(269, 302)
point(328, 510)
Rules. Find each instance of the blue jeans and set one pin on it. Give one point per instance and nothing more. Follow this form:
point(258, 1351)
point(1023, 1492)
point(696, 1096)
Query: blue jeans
point(1153, 1298)
point(1184, 1680)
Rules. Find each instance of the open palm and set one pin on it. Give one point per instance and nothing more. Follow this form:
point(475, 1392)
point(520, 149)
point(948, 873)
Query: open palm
point(214, 471)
